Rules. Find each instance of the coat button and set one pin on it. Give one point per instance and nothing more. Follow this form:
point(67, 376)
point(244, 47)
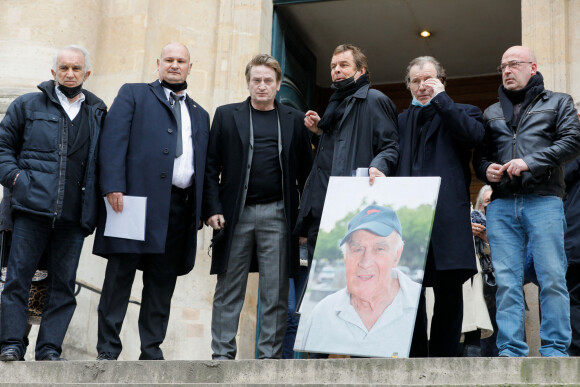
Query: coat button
point(163, 175)
point(169, 130)
point(165, 151)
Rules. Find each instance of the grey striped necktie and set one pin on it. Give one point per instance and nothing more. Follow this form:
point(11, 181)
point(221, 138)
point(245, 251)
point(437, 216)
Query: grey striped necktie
point(176, 106)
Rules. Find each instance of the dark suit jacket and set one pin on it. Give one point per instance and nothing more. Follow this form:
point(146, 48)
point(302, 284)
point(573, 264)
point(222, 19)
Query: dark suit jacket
point(454, 131)
point(227, 154)
point(137, 151)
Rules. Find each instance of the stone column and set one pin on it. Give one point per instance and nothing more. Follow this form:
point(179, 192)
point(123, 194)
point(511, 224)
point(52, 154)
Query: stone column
point(552, 29)
point(31, 34)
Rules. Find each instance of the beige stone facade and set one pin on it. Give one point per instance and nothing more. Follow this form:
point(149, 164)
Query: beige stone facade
point(125, 38)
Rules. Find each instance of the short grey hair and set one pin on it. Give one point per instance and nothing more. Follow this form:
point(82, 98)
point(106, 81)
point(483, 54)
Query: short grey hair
point(74, 47)
point(420, 61)
point(479, 200)
point(399, 242)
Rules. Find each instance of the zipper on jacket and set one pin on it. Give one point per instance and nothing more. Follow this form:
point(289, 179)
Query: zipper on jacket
point(520, 123)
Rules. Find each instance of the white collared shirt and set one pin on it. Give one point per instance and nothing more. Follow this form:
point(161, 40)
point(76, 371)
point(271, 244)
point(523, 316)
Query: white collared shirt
point(71, 109)
point(183, 166)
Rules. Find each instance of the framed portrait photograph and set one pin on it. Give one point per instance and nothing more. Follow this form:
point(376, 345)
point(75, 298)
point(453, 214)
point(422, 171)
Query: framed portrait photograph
point(365, 277)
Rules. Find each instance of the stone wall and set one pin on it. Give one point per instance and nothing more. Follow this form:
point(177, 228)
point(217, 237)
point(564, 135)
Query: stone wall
point(125, 38)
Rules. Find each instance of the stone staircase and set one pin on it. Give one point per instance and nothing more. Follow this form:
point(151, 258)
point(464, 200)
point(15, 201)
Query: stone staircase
point(331, 372)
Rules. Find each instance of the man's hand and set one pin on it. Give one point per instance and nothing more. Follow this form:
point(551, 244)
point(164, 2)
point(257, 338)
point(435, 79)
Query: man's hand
point(217, 222)
point(515, 167)
point(115, 199)
point(311, 120)
point(374, 172)
point(493, 173)
point(435, 86)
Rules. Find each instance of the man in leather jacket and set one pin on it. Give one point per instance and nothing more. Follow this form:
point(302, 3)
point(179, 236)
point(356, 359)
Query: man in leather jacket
point(530, 134)
point(48, 143)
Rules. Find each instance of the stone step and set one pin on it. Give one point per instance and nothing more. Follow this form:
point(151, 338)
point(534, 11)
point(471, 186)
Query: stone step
point(330, 372)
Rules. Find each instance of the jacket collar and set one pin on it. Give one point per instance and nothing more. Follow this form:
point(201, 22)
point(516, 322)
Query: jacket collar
point(47, 87)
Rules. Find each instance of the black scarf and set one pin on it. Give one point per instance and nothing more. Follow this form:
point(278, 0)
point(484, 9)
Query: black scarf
point(175, 87)
point(411, 151)
point(335, 109)
point(511, 98)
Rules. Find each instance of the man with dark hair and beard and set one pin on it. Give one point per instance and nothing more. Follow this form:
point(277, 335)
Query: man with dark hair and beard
point(436, 139)
point(530, 134)
point(358, 130)
point(48, 143)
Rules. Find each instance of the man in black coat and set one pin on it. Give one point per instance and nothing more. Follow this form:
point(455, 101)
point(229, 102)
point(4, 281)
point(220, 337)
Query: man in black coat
point(436, 138)
point(262, 152)
point(572, 245)
point(48, 144)
point(153, 145)
point(358, 131)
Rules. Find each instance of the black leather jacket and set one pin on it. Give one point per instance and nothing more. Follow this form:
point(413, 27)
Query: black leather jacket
point(547, 137)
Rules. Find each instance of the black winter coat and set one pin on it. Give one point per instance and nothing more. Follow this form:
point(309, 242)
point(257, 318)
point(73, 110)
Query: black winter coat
point(33, 141)
point(366, 137)
point(572, 210)
point(453, 132)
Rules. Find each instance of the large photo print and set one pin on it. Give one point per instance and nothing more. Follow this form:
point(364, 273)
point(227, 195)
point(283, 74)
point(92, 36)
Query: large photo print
point(365, 278)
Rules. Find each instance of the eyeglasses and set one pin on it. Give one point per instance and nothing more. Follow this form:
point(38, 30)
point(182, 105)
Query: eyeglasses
point(514, 63)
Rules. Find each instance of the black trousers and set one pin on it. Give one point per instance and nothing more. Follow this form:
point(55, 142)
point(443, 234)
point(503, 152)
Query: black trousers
point(573, 282)
point(159, 278)
point(447, 318)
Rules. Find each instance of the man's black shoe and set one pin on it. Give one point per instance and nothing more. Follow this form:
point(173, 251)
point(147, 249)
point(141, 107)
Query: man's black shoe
point(106, 356)
point(52, 357)
point(10, 354)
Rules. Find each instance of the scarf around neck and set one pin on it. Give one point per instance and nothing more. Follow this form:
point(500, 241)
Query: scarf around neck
point(335, 108)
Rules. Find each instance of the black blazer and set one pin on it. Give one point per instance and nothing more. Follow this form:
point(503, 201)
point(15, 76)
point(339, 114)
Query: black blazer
point(228, 155)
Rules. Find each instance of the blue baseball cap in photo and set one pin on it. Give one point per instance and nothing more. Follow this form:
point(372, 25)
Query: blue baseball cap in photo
point(379, 220)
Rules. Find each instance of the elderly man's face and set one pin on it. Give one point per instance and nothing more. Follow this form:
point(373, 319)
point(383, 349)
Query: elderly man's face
point(369, 260)
point(418, 74)
point(519, 67)
point(70, 68)
point(173, 65)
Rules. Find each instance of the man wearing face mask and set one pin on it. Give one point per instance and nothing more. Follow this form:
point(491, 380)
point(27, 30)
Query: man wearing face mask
point(48, 142)
point(436, 138)
point(357, 131)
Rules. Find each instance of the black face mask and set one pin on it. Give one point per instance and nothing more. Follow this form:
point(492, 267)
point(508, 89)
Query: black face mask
point(175, 87)
point(343, 84)
point(70, 92)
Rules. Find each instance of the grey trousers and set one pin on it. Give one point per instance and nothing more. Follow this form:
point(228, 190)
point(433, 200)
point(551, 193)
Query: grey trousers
point(261, 231)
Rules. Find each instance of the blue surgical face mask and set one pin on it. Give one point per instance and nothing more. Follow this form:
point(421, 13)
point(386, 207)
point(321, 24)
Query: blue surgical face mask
point(416, 102)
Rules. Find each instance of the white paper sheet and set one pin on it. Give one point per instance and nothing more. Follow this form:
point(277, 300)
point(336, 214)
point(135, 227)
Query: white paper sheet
point(129, 223)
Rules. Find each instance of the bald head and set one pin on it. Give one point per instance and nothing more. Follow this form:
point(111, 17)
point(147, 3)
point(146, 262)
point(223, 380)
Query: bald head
point(518, 65)
point(175, 45)
point(173, 63)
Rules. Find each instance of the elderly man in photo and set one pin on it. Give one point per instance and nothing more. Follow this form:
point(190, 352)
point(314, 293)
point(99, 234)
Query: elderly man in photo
point(530, 134)
point(374, 314)
point(48, 143)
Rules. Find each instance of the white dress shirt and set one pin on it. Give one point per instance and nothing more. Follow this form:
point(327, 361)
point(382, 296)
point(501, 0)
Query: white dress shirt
point(183, 166)
point(71, 109)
